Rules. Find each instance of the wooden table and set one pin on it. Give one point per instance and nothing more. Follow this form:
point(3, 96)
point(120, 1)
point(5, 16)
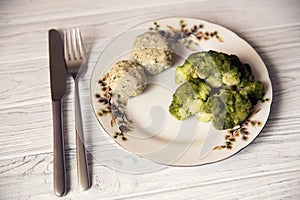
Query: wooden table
point(269, 168)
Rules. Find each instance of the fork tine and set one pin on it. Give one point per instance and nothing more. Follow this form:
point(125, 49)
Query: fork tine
point(74, 44)
point(80, 46)
point(69, 47)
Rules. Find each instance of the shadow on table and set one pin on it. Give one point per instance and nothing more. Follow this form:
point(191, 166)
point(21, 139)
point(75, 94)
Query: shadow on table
point(277, 100)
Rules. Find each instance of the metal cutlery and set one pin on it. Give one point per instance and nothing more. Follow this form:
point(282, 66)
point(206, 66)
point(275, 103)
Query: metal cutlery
point(58, 90)
point(75, 58)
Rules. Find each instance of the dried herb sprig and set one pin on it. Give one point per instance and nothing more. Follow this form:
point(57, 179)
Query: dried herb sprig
point(114, 105)
point(189, 37)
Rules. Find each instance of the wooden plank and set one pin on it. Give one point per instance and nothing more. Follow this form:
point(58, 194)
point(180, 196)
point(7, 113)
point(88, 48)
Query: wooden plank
point(13, 34)
point(238, 173)
point(267, 169)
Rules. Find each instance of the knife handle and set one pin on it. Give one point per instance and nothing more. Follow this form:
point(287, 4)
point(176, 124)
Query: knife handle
point(59, 168)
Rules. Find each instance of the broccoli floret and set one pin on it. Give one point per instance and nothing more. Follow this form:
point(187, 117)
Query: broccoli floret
point(217, 87)
point(229, 108)
point(204, 117)
point(231, 77)
point(254, 91)
point(246, 75)
point(205, 111)
point(206, 106)
point(184, 104)
point(201, 89)
point(214, 81)
point(202, 64)
point(231, 70)
point(216, 68)
point(183, 73)
point(188, 99)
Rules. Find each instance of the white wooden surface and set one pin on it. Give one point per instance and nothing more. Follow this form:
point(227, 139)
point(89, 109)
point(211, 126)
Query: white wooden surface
point(269, 168)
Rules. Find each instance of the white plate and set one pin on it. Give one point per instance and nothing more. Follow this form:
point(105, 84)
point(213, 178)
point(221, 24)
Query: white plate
point(154, 133)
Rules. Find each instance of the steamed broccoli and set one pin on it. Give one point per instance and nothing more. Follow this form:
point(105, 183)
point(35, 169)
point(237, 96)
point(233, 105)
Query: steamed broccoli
point(183, 73)
point(253, 90)
point(216, 68)
point(201, 65)
point(229, 109)
point(204, 117)
point(197, 65)
point(217, 87)
point(201, 89)
point(188, 98)
point(246, 75)
point(232, 77)
point(205, 111)
point(214, 80)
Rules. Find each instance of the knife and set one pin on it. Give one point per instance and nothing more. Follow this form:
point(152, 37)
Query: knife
point(58, 89)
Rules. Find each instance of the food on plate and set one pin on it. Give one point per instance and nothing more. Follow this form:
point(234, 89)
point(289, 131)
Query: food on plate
point(229, 108)
point(188, 98)
point(254, 90)
point(151, 50)
point(151, 54)
point(216, 68)
point(127, 78)
point(228, 84)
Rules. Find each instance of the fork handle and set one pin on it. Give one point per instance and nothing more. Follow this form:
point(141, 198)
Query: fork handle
point(59, 169)
point(82, 166)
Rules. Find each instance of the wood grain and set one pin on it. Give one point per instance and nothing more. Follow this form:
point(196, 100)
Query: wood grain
point(269, 168)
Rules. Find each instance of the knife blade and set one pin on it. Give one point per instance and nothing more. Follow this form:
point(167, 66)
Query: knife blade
point(58, 69)
point(58, 89)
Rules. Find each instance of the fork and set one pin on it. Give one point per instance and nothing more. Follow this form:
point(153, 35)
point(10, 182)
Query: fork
point(75, 58)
